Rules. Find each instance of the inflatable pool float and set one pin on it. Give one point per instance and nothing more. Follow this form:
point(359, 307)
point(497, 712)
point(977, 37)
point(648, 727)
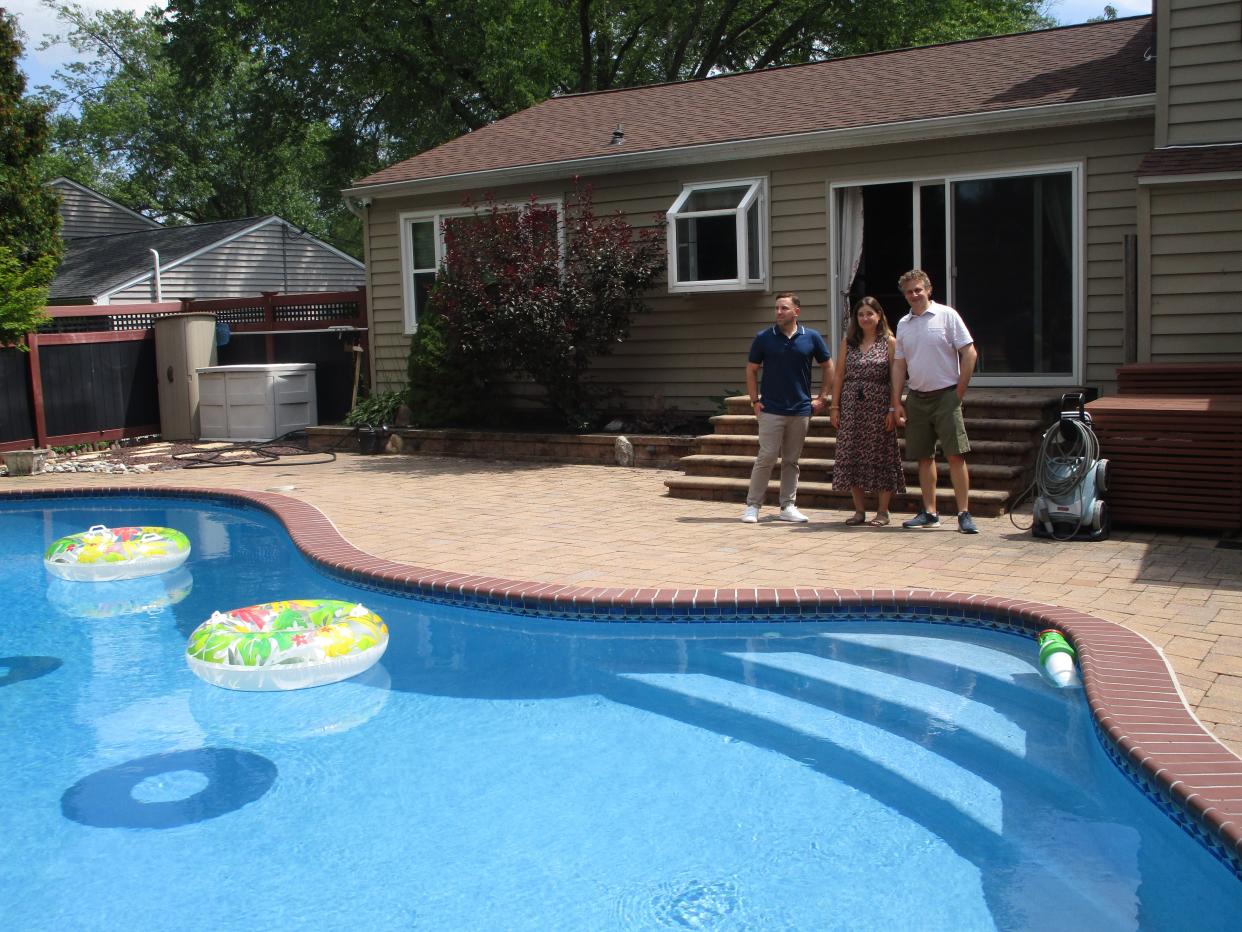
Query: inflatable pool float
point(125, 597)
point(286, 645)
point(103, 554)
point(1057, 658)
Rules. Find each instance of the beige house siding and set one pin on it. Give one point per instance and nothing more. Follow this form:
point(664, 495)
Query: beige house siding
point(1201, 86)
point(689, 348)
point(1192, 311)
point(85, 213)
point(271, 258)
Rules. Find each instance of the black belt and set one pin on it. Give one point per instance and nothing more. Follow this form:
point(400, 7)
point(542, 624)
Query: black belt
point(933, 393)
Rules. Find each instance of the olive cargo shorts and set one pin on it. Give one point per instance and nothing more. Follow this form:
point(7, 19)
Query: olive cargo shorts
point(932, 418)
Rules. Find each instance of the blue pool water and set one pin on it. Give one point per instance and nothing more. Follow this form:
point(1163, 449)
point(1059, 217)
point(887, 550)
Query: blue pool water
point(499, 772)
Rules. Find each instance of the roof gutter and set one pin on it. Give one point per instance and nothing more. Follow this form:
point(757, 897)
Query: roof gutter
point(973, 124)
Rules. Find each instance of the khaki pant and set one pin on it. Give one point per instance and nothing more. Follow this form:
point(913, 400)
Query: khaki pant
point(780, 435)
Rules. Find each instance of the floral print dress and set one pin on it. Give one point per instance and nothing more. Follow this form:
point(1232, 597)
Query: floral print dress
point(866, 456)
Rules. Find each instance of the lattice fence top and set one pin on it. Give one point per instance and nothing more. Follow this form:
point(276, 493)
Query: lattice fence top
point(310, 308)
point(106, 321)
point(240, 315)
point(338, 310)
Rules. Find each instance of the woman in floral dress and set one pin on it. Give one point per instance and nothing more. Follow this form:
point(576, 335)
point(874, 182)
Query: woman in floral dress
point(866, 459)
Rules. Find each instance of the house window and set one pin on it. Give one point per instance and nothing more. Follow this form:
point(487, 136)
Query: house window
point(422, 252)
point(423, 264)
point(717, 237)
point(1015, 279)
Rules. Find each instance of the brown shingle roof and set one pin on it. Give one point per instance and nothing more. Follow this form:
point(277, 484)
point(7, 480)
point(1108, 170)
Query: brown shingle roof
point(1095, 61)
point(1197, 160)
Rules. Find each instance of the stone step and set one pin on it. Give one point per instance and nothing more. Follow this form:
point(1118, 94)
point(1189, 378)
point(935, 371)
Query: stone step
point(1002, 452)
point(1025, 404)
point(982, 428)
point(983, 475)
point(983, 502)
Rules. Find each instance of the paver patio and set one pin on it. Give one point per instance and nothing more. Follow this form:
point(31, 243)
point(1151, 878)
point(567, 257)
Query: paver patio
point(612, 526)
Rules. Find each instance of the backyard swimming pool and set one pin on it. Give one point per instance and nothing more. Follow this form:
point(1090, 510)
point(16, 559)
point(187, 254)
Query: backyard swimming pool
point(501, 772)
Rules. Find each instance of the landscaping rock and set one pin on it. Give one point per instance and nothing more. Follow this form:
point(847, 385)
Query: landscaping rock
point(624, 451)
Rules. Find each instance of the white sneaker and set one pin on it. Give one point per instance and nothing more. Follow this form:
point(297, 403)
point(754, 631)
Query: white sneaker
point(750, 515)
point(790, 513)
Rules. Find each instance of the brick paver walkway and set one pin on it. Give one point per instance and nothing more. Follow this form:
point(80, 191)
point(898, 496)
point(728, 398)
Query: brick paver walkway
point(609, 526)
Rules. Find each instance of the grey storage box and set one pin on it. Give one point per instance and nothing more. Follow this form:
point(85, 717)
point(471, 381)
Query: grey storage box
point(256, 402)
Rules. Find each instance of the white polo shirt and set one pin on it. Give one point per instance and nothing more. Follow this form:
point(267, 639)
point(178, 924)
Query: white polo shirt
point(929, 342)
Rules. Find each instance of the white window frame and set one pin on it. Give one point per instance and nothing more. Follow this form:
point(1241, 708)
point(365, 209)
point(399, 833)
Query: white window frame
point(757, 194)
point(944, 291)
point(406, 219)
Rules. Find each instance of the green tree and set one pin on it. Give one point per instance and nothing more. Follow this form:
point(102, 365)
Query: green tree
point(224, 108)
point(29, 214)
point(127, 124)
point(23, 296)
point(631, 43)
point(394, 79)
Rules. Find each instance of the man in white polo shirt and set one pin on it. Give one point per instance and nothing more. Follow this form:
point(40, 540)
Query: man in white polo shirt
point(938, 353)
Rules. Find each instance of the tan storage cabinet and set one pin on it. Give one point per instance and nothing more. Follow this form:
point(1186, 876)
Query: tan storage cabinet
point(184, 343)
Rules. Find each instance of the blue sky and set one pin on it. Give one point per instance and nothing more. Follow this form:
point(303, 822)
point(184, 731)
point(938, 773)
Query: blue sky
point(37, 21)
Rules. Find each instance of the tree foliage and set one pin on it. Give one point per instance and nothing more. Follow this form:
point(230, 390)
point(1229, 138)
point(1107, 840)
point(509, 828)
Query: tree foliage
point(128, 125)
point(394, 79)
point(213, 109)
point(23, 295)
point(514, 296)
point(29, 211)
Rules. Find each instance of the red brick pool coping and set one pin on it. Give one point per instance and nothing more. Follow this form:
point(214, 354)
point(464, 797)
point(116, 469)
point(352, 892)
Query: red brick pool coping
point(1129, 686)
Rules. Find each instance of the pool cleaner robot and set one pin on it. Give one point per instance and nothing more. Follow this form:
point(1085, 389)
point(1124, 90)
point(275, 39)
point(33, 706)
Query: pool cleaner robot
point(1071, 478)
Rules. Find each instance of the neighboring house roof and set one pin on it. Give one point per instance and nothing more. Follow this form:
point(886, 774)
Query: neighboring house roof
point(63, 182)
point(1176, 161)
point(94, 266)
point(1069, 65)
point(99, 265)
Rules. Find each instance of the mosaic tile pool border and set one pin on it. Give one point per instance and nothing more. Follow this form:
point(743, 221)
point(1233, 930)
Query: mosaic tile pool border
point(1142, 719)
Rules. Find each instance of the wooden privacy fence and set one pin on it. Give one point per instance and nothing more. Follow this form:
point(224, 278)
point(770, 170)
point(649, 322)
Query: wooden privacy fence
point(91, 372)
point(1173, 439)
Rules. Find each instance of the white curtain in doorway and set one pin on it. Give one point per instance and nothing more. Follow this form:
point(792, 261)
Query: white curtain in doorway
point(849, 246)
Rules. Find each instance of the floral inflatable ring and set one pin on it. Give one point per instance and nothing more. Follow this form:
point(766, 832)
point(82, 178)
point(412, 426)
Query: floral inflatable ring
point(286, 645)
point(103, 554)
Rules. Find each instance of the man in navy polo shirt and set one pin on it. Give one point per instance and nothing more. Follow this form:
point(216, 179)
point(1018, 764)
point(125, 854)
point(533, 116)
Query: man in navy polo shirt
point(784, 408)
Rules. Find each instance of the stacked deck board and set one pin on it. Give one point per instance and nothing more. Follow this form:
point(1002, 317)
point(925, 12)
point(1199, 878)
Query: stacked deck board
point(1180, 379)
point(1174, 460)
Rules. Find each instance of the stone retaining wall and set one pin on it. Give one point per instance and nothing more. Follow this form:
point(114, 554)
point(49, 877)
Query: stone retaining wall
point(652, 452)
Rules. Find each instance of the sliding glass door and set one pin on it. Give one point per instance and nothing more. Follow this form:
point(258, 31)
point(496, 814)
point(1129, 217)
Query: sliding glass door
point(1002, 249)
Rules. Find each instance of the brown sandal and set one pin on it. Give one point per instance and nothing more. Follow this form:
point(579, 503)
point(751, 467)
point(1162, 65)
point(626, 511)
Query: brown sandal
point(860, 517)
point(880, 520)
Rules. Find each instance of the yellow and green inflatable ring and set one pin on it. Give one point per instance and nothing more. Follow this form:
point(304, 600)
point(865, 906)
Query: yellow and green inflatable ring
point(286, 645)
point(104, 554)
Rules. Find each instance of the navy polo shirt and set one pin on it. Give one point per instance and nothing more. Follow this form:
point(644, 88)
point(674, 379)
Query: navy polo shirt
point(785, 383)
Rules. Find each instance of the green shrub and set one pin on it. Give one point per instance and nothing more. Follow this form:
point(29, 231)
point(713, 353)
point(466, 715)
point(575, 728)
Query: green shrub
point(445, 388)
point(380, 408)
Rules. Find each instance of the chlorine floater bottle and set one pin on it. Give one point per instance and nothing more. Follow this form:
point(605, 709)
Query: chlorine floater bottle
point(1057, 658)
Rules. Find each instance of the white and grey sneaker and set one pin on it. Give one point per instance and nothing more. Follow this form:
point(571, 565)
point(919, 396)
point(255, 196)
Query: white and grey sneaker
point(791, 513)
point(750, 515)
